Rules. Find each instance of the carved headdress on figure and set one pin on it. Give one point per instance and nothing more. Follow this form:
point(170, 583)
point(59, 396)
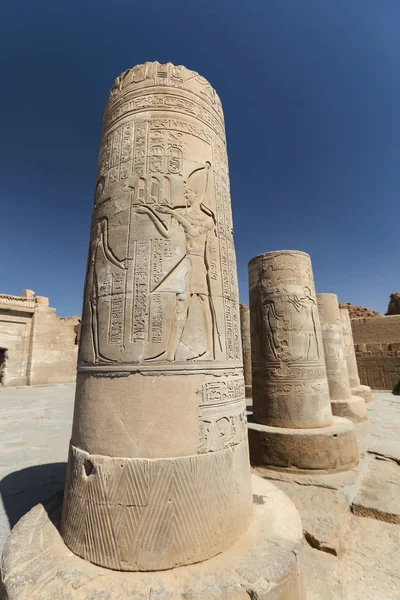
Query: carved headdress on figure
point(198, 180)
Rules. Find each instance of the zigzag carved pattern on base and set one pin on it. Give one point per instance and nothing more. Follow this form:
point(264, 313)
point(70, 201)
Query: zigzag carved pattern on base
point(153, 514)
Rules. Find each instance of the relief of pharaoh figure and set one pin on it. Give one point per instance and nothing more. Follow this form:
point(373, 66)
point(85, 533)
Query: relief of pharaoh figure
point(190, 277)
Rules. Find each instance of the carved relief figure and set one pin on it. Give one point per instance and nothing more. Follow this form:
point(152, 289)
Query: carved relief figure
point(306, 325)
point(190, 277)
point(290, 322)
point(273, 314)
point(99, 278)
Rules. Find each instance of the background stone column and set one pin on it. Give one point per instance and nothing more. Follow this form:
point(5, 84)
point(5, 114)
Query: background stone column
point(158, 472)
point(350, 354)
point(246, 346)
point(294, 426)
point(342, 402)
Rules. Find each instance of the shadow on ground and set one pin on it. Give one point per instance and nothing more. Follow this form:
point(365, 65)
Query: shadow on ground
point(21, 490)
point(396, 389)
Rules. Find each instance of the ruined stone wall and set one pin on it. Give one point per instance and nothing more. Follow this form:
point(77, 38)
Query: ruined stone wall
point(377, 344)
point(54, 348)
point(36, 346)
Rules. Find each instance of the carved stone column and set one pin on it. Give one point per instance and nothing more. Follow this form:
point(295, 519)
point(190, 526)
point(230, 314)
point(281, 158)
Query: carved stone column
point(158, 471)
point(294, 427)
point(342, 402)
point(355, 384)
point(246, 346)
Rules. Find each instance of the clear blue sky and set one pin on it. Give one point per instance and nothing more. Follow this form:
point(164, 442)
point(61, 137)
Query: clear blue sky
point(311, 94)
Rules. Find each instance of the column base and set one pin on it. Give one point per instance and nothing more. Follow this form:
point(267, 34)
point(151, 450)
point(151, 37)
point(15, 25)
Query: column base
point(326, 449)
point(265, 563)
point(352, 408)
point(364, 391)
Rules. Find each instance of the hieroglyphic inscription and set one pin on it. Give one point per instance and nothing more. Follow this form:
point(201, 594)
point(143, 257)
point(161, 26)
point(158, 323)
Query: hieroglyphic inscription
point(156, 318)
point(161, 250)
point(117, 308)
point(165, 102)
point(168, 75)
point(139, 159)
point(126, 151)
point(140, 307)
point(227, 254)
point(183, 127)
point(219, 430)
point(212, 259)
point(298, 373)
point(223, 390)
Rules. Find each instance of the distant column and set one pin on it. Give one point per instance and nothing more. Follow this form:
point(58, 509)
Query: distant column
point(342, 402)
point(348, 343)
point(246, 346)
point(294, 427)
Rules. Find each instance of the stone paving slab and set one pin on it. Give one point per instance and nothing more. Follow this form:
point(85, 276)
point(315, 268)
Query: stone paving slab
point(379, 493)
point(323, 511)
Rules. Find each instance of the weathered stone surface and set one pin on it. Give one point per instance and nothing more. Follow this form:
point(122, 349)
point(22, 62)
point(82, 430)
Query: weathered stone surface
point(377, 345)
point(290, 387)
point(321, 574)
point(394, 304)
point(323, 512)
point(369, 567)
point(36, 346)
point(264, 563)
point(342, 402)
point(379, 493)
point(332, 448)
point(385, 434)
point(246, 347)
point(158, 473)
point(358, 312)
point(349, 351)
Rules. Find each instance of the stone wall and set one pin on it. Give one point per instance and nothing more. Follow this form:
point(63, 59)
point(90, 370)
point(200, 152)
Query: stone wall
point(36, 346)
point(377, 344)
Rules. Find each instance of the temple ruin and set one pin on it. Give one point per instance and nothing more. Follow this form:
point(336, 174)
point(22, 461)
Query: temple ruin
point(36, 346)
point(158, 471)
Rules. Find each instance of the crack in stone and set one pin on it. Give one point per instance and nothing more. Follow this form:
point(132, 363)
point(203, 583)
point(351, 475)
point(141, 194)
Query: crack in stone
point(315, 543)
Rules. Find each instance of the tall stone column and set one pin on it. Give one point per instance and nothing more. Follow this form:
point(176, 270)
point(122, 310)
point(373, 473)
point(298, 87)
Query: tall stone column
point(355, 384)
point(246, 346)
point(342, 402)
point(293, 425)
point(158, 471)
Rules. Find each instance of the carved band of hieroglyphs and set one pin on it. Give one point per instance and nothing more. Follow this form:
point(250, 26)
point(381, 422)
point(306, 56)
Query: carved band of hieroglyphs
point(283, 371)
point(165, 102)
point(167, 75)
point(117, 308)
point(223, 390)
point(182, 127)
point(221, 428)
point(141, 291)
point(299, 389)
